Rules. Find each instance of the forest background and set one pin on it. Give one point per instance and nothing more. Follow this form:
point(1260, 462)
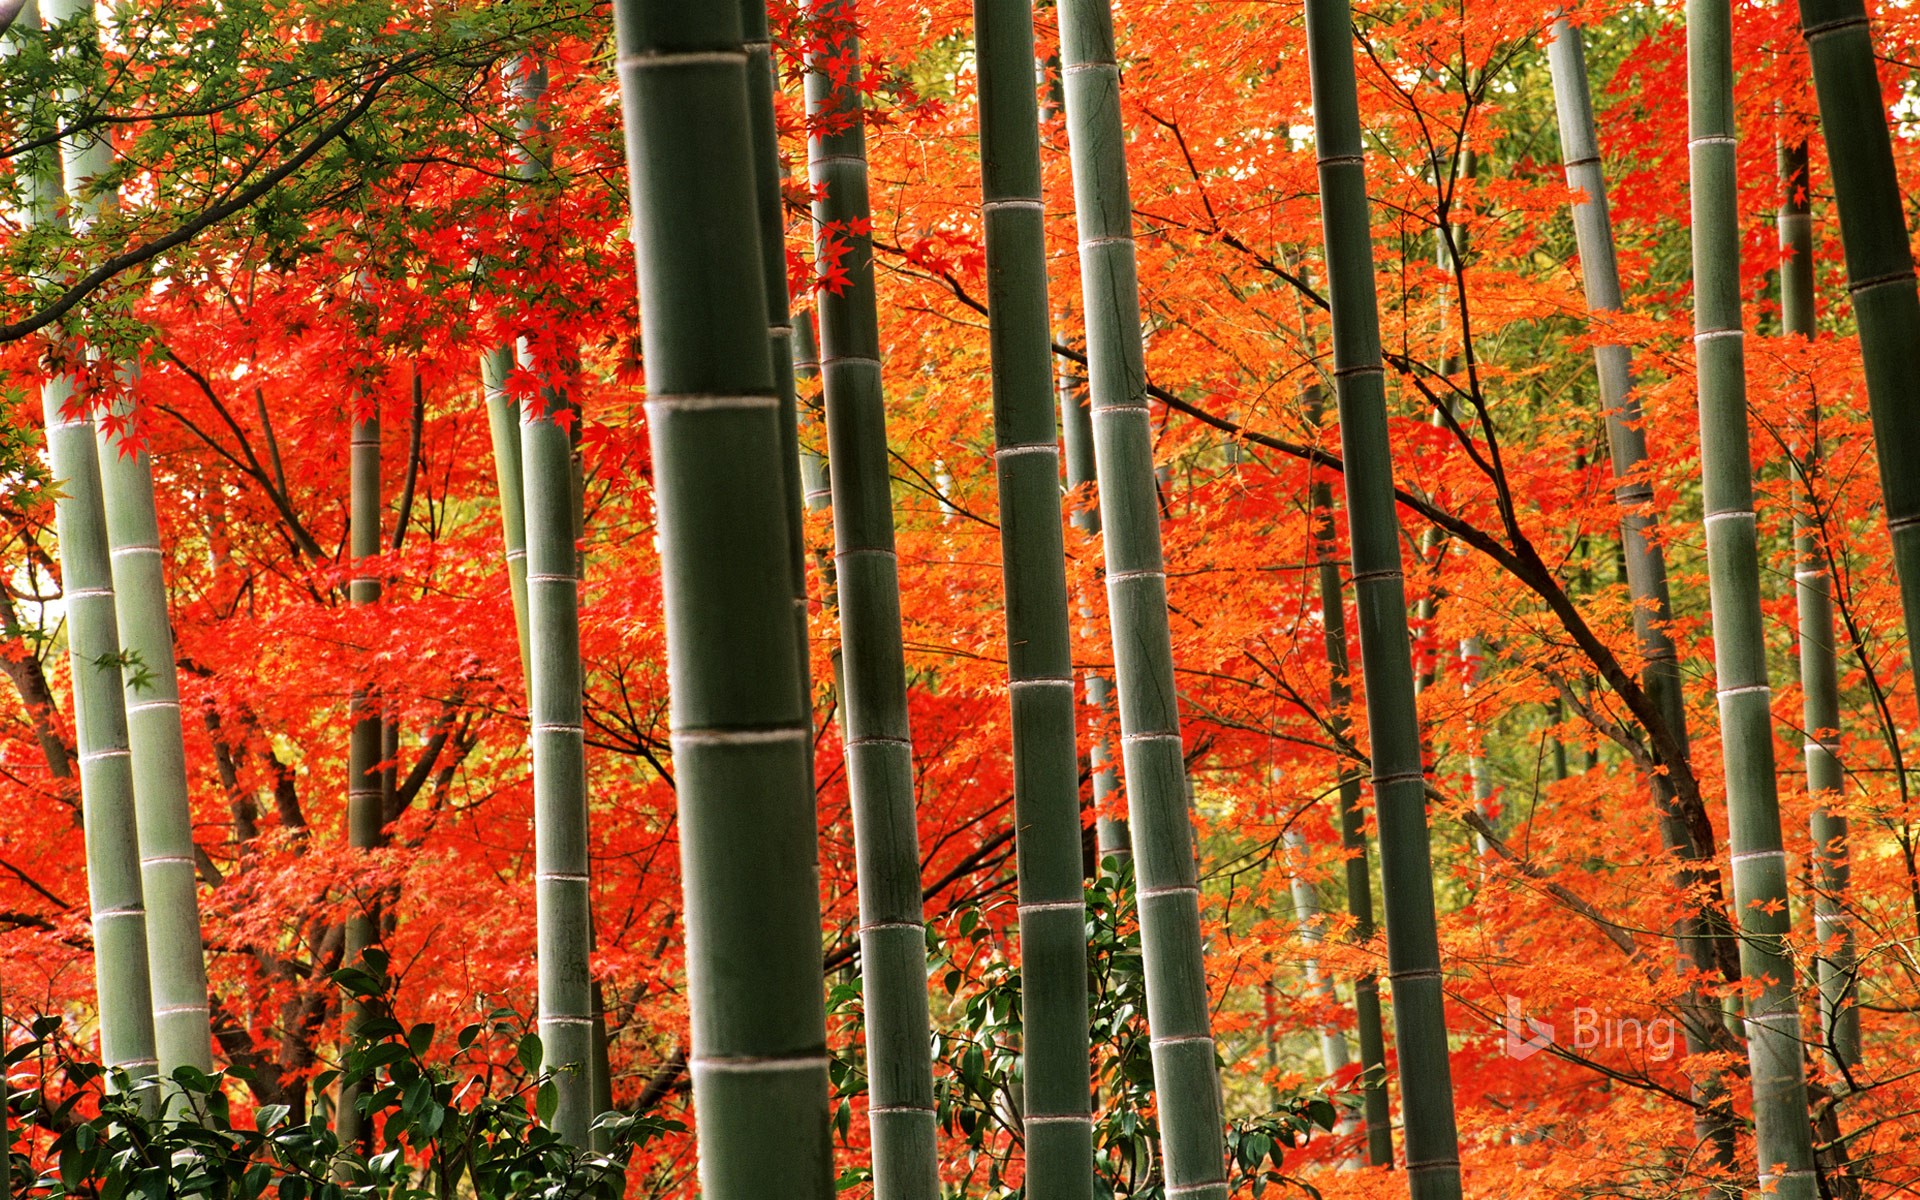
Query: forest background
point(321, 223)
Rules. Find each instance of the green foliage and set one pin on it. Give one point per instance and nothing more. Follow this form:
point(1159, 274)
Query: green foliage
point(442, 1129)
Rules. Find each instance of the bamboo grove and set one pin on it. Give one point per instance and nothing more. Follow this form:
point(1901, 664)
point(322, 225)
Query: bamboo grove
point(959, 601)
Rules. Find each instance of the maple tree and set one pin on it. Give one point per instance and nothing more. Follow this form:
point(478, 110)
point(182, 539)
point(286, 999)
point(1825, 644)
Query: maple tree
point(358, 245)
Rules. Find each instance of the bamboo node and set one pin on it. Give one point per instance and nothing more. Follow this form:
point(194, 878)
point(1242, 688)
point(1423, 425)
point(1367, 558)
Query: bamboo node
point(684, 58)
point(1189, 1189)
point(1028, 448)
point(1710, 334)
point(559, 877)
point(1142, 573)
point(1177, 889)
point(1343, 160)
point(1180, 1040)
point(146, 704)
point(1030, 204)
point(1586, 160)
point(841, 160)
point(1057, 1119)
point(1876, 281)
point(1094, 64)
point(1100, 410)
point(1173, 736)
point(738, 737)
point(1026, 683)
point(1813, 33)
point(135, 549)
point(746, 1065)
point(95, 755)
point(1745, 689)
point(1750, 855)
point(710, 402)
point(1053, 906)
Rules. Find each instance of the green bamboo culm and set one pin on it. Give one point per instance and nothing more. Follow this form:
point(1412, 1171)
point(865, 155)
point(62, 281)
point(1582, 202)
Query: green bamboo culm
point(1783, 1139)
point(1375, 1107)
point(1873, 230)
point(1179, 1019)
point(540, 514)
point(1110, 835)
point(176, 957)
point(563, 908)
point(816, 488)
point(122, 981)
point(1838, 962)
point(874, 718)
point(1693, 870)
point(772, 212)
point(127, 1041)
point(742, 741)
point(503, 425)
point(169, 881)
point(526, 85)
point(1046, 765)
point(365, 790)
point(1373, 527)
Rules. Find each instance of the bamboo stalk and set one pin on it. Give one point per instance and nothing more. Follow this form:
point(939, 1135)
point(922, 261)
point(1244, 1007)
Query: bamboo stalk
point(1057, 1117)
point(1186, 1075)
point(1693, 871)
point(1413, 949)
point(1076, 427)
point(1353, 837)
point(1819, 668)
point(1879, 257)
point(874, 716)
point(742, 740)
point(503, 424)
point(122, 980)
point(365, 741)
point(1783, 1141)
point(176, 959)
point(771, 211)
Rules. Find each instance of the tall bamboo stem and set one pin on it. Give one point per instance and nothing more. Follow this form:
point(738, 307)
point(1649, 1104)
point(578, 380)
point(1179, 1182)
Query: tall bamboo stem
point(122, 979)
point(1781, 1117)
point(1353, 837)
point(1053, 941)
point(874, 716)
point(1693, 871)
point(1076, 428)
point(742, 740)
point(1819, 667)
point(176, 958)
point(1186, 1075)
point(1399, 781)
point(1879, 256)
